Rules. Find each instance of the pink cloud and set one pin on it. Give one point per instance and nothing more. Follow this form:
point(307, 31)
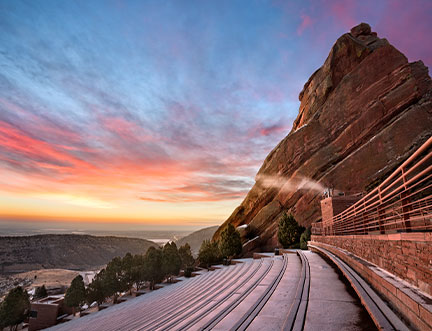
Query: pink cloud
point(126, 130)
point(36, 123)
point(40, 152)
point(408, 28)
point(207, 191)
point(344, 12)
point(262, 130)
point(305, 23)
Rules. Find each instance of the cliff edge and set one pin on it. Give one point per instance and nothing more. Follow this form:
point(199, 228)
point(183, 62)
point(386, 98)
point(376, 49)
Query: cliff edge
point(361, 115)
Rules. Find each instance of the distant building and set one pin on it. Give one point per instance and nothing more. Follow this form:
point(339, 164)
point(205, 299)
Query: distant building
point(47, 312)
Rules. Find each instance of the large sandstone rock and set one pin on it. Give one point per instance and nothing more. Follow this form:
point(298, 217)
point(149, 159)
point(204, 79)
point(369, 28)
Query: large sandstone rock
point(361, 114)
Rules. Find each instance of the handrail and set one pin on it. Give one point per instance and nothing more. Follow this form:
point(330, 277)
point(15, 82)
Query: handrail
point(401, 203)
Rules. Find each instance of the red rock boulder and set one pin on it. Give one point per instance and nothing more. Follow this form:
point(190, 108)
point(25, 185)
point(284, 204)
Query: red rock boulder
point(361, 115)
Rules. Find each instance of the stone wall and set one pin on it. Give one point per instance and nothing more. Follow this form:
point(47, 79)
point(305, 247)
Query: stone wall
point(408, 301)
point(405, 255)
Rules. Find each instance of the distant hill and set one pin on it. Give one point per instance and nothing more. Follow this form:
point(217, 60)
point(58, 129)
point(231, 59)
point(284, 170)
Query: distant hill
point(65, 251)
point(196, 238)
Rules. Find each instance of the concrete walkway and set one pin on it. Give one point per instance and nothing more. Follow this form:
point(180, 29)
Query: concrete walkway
point(332, 306)
point(275, 311)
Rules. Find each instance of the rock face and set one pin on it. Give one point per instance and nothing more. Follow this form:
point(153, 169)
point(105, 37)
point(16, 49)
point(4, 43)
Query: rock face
point(361, 115)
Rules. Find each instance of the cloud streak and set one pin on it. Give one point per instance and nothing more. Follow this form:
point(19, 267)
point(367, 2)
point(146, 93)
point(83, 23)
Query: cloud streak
point(151, 106)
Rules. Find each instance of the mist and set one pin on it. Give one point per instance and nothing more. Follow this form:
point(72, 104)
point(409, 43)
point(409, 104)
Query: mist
point(290, 184)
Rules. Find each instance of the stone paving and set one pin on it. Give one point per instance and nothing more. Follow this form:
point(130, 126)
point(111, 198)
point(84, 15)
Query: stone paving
point(331, 306)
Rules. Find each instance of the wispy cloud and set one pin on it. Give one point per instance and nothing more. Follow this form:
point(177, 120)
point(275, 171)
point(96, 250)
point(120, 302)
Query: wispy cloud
point(205, 189)
point(142, 103)
point(306, 22)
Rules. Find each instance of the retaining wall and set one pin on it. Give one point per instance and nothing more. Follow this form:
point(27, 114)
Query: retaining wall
point(406, 255)
point(398, 266)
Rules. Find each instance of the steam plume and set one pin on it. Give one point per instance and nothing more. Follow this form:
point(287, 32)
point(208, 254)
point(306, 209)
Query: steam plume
point(291, 184)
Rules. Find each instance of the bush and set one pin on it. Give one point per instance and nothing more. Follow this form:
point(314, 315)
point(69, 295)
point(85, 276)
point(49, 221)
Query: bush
point(289, 231)
point(304, 238)
point(188, 272)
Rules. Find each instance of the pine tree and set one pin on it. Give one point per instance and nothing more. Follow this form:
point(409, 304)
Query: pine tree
point(230, 242)
point(209, 253)
point(186, 256)
point(127, 265)
point(14, 309)
point(289, 231)
point(138, 271)
point(153, 263)
point(114, 278)
point(40, 292)
point(95, 290)
point(76, 293)
point(171, 261)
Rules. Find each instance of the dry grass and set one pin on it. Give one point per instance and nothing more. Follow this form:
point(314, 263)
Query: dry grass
point(49, 277)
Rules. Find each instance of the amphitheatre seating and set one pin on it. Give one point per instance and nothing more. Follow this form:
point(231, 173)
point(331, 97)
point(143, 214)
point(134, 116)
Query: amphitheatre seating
point(266, 293)
point(253, 293)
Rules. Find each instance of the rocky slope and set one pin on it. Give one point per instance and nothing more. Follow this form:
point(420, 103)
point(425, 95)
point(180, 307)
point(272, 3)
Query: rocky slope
point(77, 252)
point(361, 114)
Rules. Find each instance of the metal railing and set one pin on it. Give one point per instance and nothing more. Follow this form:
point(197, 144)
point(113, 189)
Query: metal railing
point(402, 203)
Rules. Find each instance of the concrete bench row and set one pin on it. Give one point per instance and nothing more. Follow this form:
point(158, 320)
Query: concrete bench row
point(232, 296)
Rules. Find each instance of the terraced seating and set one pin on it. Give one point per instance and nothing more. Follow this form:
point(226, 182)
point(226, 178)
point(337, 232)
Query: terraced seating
point(156, 304)
point(192, 299)
point(269, 293)
point(221, 299)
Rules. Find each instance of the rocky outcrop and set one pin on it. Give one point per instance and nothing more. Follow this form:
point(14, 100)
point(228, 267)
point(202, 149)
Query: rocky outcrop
point(361, 114)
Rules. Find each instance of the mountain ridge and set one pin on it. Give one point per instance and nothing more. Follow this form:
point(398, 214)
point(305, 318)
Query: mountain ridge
point(65, 251)
point(196, 238)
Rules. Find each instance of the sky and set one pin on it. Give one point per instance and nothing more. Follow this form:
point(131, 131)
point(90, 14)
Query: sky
point(160, 113)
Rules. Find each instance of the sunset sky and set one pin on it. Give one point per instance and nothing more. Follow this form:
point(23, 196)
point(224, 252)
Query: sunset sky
point(161, 112)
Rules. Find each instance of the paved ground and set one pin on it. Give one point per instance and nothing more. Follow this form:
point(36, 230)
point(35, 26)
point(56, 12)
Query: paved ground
point(274, 313)
point(331, 305)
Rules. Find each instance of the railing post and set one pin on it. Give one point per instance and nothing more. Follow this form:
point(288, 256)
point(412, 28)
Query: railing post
point(406, 208)
point(364, 221)
point(403, 177)
point(381, 216)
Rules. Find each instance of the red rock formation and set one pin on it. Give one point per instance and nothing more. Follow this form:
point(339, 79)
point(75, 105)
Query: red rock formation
point(361, 114)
